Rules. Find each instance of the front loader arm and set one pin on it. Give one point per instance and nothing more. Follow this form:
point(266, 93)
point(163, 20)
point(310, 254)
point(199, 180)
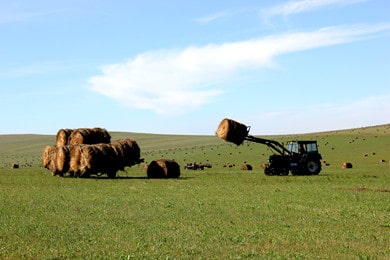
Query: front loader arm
point(270, 143)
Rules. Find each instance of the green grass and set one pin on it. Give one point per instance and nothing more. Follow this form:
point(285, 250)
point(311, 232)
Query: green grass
point(218, 213)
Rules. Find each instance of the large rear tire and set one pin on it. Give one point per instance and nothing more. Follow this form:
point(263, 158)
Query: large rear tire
point(313, 167)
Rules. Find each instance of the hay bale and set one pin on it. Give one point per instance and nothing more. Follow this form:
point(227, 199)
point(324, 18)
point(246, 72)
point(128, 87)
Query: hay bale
point(75, 158)
point(232, 131)
point(89, 136)
point(127, 153)
point(163, 168)
point(346, 165)
point(14, 166)
point(94, 159)
point(63, 136)
point(90, 159)
point(63, 159)
point(246, 167)
point(49, 159)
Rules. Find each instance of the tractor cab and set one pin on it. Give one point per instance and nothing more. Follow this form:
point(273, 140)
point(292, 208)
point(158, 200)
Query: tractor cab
point(302, 147)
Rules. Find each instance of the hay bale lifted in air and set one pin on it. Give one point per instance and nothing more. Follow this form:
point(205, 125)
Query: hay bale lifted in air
point(232, 131)
point(89, 136)
point(163, 168)
point(63, 136)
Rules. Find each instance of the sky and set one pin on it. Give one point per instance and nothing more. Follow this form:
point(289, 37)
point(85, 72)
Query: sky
point(180, 67)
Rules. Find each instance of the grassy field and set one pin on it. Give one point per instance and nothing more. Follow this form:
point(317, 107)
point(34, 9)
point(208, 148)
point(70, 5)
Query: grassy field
point(217, 213)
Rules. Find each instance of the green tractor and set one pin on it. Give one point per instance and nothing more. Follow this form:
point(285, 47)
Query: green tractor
point(299, 157)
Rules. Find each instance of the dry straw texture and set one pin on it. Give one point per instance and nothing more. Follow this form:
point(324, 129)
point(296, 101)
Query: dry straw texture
point(63, 136)
point(49, 159)
point(89, 136)
point(163, 168)
point(232, 131)
point(83, 160)
point(63, 158)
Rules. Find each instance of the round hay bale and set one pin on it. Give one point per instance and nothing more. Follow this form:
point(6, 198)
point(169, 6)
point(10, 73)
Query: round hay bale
point(145, 168)
point(232, 131)
point(89, 136)
point(127, 152)
point(75, 158)
point(346, 165)
point(63, 158)
point(14, 166)
point(246, 167)
point(49, 159)
point(94, 159)
point(163, 168)
point(62, 136)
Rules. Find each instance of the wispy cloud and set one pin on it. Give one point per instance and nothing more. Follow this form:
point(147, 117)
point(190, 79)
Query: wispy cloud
point(38, 68)
point(332, 116)
point(295, 7)
point(175, 81)
point(211, 17)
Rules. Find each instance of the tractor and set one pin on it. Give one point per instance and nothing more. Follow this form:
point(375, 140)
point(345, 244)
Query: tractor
point(299, 157)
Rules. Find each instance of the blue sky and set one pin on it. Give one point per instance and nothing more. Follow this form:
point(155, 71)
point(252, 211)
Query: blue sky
point(180, 67)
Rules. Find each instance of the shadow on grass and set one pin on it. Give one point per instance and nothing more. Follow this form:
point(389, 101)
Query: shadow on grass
point(126, 178)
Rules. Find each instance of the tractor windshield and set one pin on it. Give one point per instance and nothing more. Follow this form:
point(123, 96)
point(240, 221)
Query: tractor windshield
point(311, 147)
point(292, 147)
point(302, 147)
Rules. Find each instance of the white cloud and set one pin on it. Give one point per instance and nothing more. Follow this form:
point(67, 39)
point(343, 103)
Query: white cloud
point(373, 110)
point(211, 17)
point(172, 82)
point(295, 7)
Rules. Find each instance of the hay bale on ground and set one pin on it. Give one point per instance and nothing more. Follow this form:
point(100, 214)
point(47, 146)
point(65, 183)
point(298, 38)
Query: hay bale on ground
point(89, 136)
point(63, 159)
point(49, 159)
point(246, 167)
point(91, 159)
point(346, 165)
point(232, 131)
point(127, 153)
point(63, 136)
point(163, 168)
point(88, 159)
point(14, 166)
point(75, 157)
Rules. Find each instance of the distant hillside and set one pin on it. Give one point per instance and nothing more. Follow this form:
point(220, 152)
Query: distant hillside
point(349, 144)
point(31, 143)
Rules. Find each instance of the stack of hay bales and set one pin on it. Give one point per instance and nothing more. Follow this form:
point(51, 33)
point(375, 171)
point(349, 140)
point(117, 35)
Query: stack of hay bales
point(232, 131)
point(163, 168)
point(82, 136)
point(95, 156)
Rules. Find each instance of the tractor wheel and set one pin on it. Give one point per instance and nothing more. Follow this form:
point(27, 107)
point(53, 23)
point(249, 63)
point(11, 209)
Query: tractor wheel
point(313, 167)
point(111, 175)
point(268, 171)
point(282, 172)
